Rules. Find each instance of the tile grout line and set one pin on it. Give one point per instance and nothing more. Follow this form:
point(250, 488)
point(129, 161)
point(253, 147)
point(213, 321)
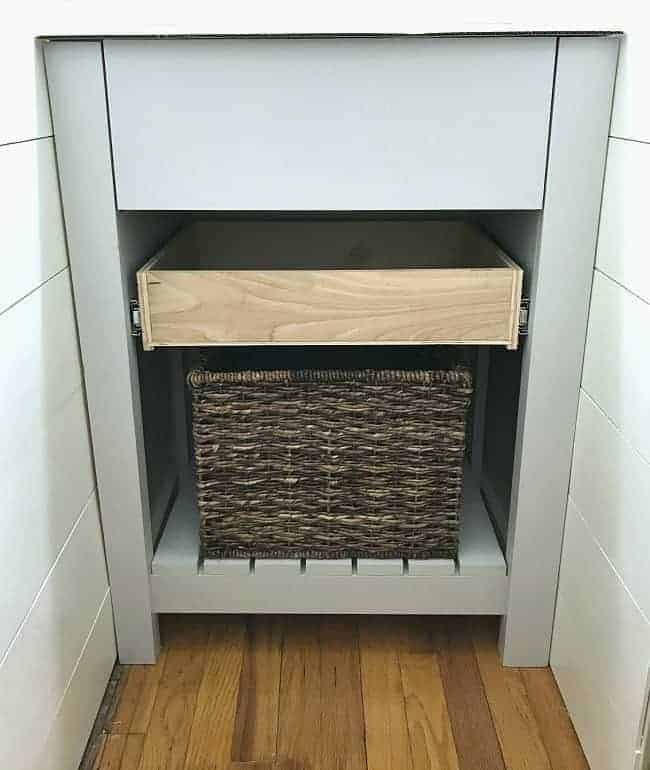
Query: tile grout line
point(630, 139)
point(14, 142)
point(34, 290)
point(106, 598)
point(93, 626)
point(47, 577)
point(621, 285)
point(610, 563)
point(616, 426)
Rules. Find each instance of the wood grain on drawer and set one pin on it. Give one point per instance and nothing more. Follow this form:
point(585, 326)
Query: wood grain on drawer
point(184, 305)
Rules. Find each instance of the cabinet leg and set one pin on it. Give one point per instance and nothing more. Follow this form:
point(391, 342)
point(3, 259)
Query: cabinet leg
point(560, 288)
point(138, 639)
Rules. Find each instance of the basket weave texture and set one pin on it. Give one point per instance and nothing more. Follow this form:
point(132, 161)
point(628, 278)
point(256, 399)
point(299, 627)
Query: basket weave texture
point(329, 463)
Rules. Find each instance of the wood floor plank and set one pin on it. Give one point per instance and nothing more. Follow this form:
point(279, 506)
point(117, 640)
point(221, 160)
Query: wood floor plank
point(477, 745)
point(165, 744)
point(387, 737)
point(432, 740)
point(519, 736)
point(113, 752)
point(211, 738)
point(336, 693)
point(256, 722)
point(132, 752)
point(560, 739)
point(136, 697)
point(151, 682)
point(342, 726)
point(299, 724)
point(139, 686)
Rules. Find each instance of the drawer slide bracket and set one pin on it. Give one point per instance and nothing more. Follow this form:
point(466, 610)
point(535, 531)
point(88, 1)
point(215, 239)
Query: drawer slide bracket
point(134, 315)
point(524, 315)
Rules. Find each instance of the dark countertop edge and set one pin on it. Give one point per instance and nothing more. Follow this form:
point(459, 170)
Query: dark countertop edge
point(334, 35)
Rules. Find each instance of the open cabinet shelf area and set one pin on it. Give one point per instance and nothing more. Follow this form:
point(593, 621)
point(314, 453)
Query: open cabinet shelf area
point(475, 584)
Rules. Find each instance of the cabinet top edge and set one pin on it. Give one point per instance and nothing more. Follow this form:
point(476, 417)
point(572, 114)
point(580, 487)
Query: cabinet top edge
point(335, 35)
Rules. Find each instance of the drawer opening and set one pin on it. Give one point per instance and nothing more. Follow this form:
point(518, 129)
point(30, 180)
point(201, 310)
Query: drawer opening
point(490, 442)
point(329, 244)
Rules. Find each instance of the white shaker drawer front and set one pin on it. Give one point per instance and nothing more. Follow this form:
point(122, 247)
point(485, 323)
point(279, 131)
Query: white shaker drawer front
point(348, 124)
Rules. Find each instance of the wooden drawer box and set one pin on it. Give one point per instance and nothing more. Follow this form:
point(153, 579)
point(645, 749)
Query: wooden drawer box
point(336, 282)
point(347, 124)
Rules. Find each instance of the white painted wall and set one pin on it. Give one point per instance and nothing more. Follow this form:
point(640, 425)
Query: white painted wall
point(56, 645)
point(601, 646)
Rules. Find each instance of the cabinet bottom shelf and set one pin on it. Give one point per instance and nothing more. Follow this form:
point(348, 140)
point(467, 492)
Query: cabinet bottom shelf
point(476, 583)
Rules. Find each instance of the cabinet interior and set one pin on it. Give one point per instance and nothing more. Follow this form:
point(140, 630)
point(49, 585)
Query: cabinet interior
point(492, 431)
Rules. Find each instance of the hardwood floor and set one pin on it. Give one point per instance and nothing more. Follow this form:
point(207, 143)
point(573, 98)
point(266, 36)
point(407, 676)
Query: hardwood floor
point(335, 693)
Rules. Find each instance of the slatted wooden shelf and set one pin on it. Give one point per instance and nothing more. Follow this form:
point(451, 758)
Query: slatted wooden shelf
point(225, 283)
point(475, 584)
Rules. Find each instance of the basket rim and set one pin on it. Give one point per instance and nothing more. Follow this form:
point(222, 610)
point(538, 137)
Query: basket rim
point(462, 376)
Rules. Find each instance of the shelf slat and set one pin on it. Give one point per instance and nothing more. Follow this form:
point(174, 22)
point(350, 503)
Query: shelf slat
point(430, 567)
point(340, 567)
point(477, 585)
point(228, 567)
point(380, 567)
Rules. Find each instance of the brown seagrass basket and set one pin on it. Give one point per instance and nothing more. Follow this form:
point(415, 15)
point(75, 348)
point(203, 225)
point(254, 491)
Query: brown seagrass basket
point(329, 463)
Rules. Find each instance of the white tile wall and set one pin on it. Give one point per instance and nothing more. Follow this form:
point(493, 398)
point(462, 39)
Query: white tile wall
point(32, 241)
point(601, 644)
point(56, 637)
point(610, 485)
point(624, 236)
point(40, 661)
point(45, 454)
point(25, 113)
point(601, 652)
point(617, 359)
point(631, 119)
point(69, 732)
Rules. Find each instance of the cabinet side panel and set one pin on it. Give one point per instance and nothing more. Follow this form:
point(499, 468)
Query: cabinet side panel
point(77, 93)
point(518, 234)
point(139, 238)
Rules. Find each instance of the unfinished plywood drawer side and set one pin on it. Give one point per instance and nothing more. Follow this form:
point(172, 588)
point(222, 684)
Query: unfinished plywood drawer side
point(330, 283)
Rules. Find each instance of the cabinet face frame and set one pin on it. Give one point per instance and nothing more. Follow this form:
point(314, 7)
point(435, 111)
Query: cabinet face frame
point(102, 279)
point(553, 354)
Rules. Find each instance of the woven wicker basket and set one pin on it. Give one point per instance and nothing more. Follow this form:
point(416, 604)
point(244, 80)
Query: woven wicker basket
point(329, 463)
